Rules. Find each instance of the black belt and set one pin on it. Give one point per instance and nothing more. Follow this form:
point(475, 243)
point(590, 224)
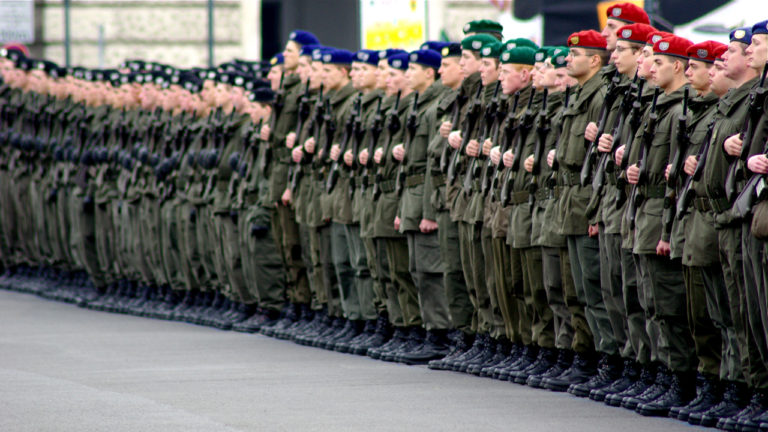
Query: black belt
point(520, 197)
point(414, 180)
point(702, 205)
point(569, 178)
point(653, 191)
point(387, 186)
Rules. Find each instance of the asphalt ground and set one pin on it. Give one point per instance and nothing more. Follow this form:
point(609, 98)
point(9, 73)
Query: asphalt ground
point(63, 368)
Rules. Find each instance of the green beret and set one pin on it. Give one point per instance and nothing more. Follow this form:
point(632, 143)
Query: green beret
point(519, 42)
point(483, 26)
point(542, 53)
point(477, 42)
point(522, 55)
point(492, 49)
point(557, 56)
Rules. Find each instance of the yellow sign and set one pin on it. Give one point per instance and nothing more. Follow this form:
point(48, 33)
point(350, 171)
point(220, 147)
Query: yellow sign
point(392, 24)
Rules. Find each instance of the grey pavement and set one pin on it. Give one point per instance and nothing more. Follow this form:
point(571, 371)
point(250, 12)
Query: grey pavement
point(63, 368)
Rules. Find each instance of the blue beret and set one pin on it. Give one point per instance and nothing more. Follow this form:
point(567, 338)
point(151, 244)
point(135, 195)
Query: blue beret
point(317, 53)
point(303, 37)
point(427, 58)
point(741, 34)
point(306, 50)
point(385, 54)
point(398, 61)
point(760, 28)
point(434, 45)
point(370, 57)
point(263, 94)
point(278, 59)
point(452, 49)
point(338, 56)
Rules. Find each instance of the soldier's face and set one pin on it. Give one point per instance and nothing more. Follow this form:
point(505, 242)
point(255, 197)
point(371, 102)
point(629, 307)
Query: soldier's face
point(719, 82)
point(305, 68)
point(334, 76)
point(417, 77)
point(489, 71)
point(368, 76)
point(625, 58)
point(563, 79)
point(291, 55)
point(735, 59)
point(698, 75)
point(274, 76)
point(396, 80)
point(382, 73)
point(513, 78)
point(757, 52)
point(469, 63)
point(644, 62)
point(536, 74)
point(450, 72)
point(577, 62)
point(316, 75)
point(547, 79)
point(663, 70)
point(354, 75)
point(609, 32)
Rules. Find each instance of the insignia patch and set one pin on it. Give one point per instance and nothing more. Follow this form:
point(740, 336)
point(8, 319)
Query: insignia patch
point(273, 61)
point(626, 33)
point(486, 51)
point(559, 60)
point(327, 58)
point(292, 36)
point(505, 56)
point(511, 45)
point(445, 51)
point(616, 12)
point(539, 57)
point(702, 53)
point(656, 38)
point(239, 81)
point(739, 34)
point(414, 57)
point(397, 64)
point(477, 45)
point(466, 27)
point(664, 46)
point(575, 40)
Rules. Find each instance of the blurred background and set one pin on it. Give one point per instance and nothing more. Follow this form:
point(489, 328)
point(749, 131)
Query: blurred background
point(187, 33)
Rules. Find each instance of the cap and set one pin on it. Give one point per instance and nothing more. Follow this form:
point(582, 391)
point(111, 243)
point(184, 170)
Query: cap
point(557, 56)
point(741, 34)
point(635, 33)
point(303, 37)
point(628, 13)
point(385, 54)
point(317, 53)
point(520, 55)
point(338, 57)
point(657, 36)
point(483, 26)
point(398, 61)
point(492, 50)
point(278, 59)
point(477, 42)
point(542, 54)
point(760, 28)
point(306, 50)
point(519, 42)
point(453, 49)
point(587, 39)
point(370, 57)
point(706, 51)
point(434, 45)
point(261, 93)
point(427, 58)
point(674, 46)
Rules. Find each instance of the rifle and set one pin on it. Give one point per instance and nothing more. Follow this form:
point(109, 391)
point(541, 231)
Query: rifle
point(461, 98)
point(591, 157)
point(634, 123)
point(411, 124)
point(687, 194)
point(636, 199)
point(525, 126)
point(330, 131)
point(393, 126)
point(473, 113)
point(736, 169)
point(490, 180)
point(349, 132)
point(552, 180)
point(357, 135)
point(376, 128)
point(314, 127)
point(303, 114)
point(277, 108)
point(683, 141)
point(542, 130)
point(488, 125)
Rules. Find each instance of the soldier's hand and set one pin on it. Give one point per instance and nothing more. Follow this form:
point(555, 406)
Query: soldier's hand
point(496, 155)
point(758, 164)
point(487, 146)
point(508, 158)
point(551, 158)
point(363, 157)
point(297, 154)
point(287, 197)
point(590, 132)
point(666, 171)
point(309, 145)
point(473, 148)
point(633, 174)
point(335, 152)
point(320, 153)
point(663, 248)
point(397, 223)
point(593, 230)
point(378, 155)
point(265, 132)
point(290, 140)
point(427, 226)
point(691, 162)
point(445, 129)
point(732, 145)
point(528, 163)
point(398, 152)
point(454, 139)
point(619, 155)
point(349, 158)
point(605, 143)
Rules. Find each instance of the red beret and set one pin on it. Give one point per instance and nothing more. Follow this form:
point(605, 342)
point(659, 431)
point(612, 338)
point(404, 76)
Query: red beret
point(706, 51)
point(629, 13)
point(674, 46)
point(657, 36)
point(587, 39)
point(637, 33)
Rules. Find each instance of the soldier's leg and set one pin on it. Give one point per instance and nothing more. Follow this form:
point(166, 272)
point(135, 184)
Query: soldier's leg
point(234, 260)
point(542, 323)
point(751, 309)
point(459, 305)
point(191, 266)
point(583, 341)
point(636, 328)
point(205, 243)
point(298, 283)
point(407, 296)
point(648, 303)
point(319, 272)
point(427, 273)
point(269, 270)
point(477, 273)
point(731, 259)
point(250, 282)
point(522, 326)
point(497, 329)
point(220, 260)
point(388, 286)
point(379, 295)
point(87, 247)
point(611, 289)
point(465, 247)
point(329, 272)
point(104, 238)
point(363, 280)
point(504, 289)
point(553, 285)
point(344, 273)
point(306, 255)
point(706, 337)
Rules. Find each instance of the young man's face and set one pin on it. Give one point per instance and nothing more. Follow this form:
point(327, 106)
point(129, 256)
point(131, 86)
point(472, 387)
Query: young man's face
point(735, 60)
point(663, 70)
point(513, 78)
point(450, 72)
point(548, 76)
point(719, 82)
point(698, 75)
point(334, 76)
point(396, 80)
point(275, 72)
point(578, 62)
point(489, 71)
point(644, 63)
point(625, 58)
point(563, 79)
point(417, 76)
point(757, 52)
point(291, 55)
point(469, 63)
point(305, 68)
point(316, 75)
point(382, 73)
point(609, 32)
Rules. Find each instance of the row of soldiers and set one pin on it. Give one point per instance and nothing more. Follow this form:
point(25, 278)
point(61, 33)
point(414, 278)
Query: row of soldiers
point(588, 218)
